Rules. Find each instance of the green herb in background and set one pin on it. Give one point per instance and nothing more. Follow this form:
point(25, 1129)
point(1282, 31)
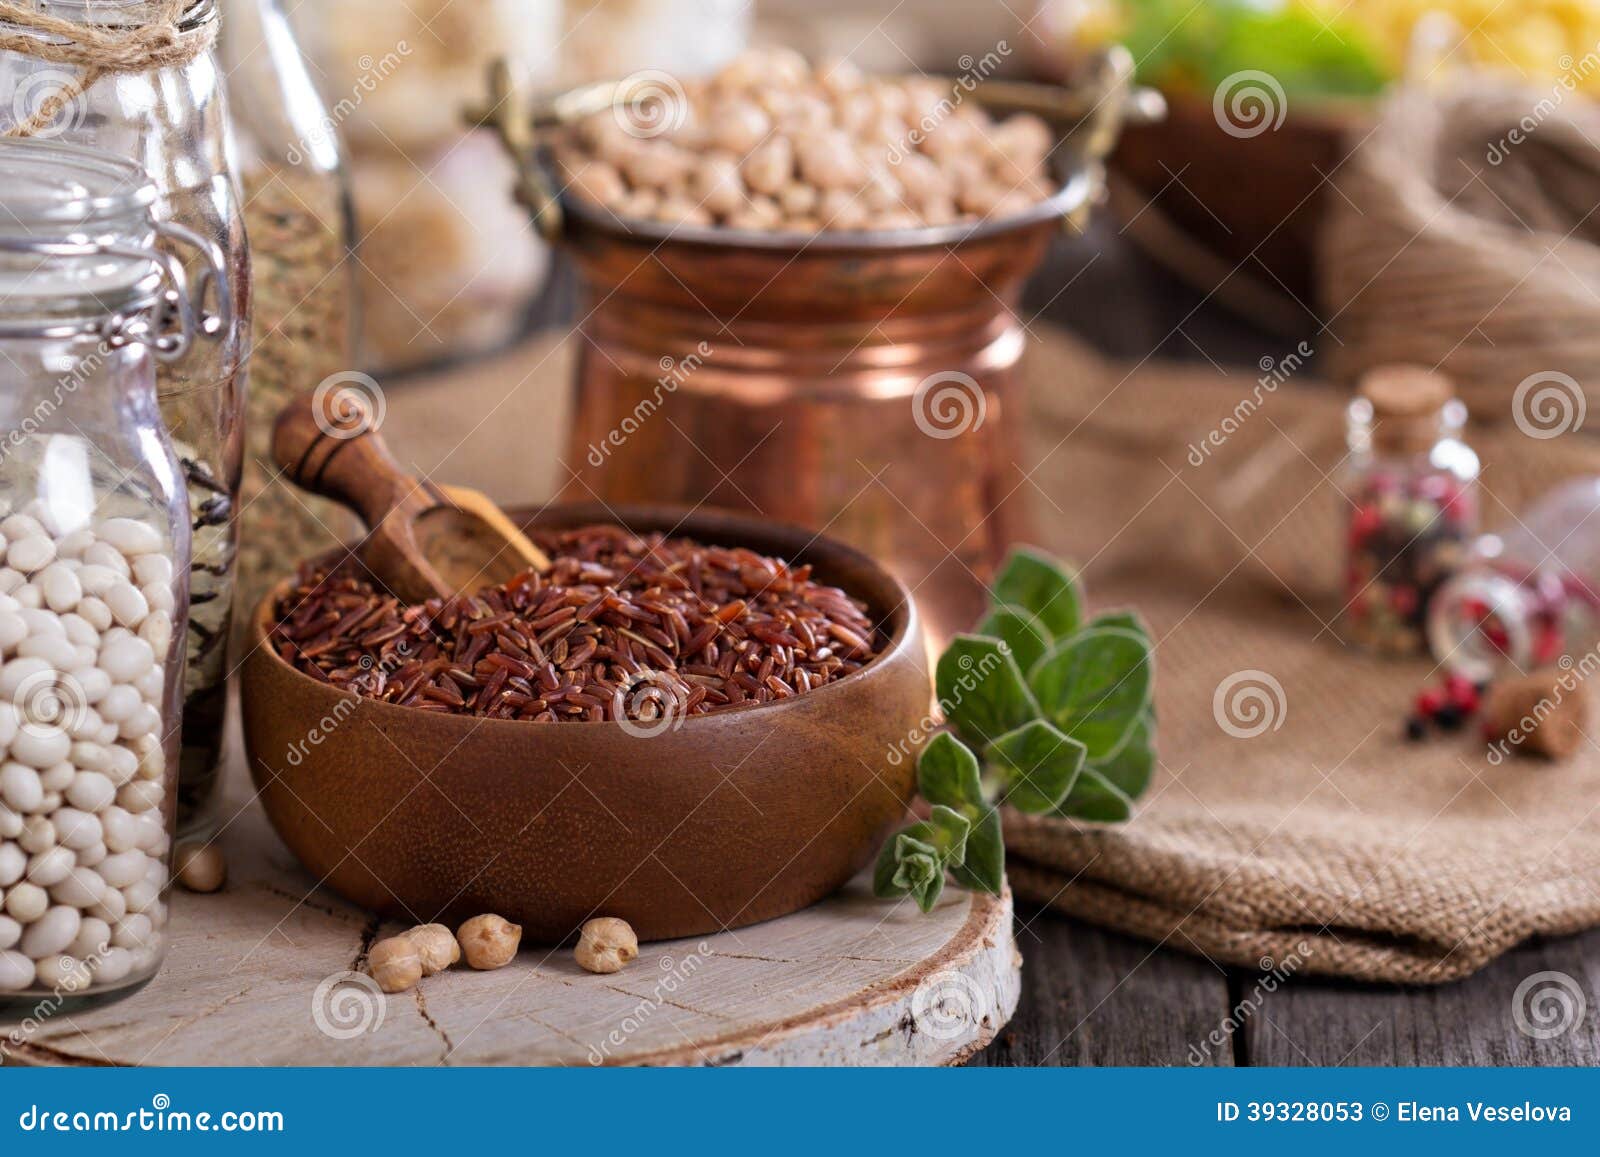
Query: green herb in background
point(1194, 45)
point(1049, 714)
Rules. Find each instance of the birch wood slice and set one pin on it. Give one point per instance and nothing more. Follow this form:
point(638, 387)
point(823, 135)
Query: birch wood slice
point(269, 972)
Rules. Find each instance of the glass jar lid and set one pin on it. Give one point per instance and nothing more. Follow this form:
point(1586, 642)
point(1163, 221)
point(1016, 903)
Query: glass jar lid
point(77, 232)
point(80, 253)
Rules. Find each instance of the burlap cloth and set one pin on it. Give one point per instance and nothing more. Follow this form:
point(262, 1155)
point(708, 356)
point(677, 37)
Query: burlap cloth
point(1389, 861)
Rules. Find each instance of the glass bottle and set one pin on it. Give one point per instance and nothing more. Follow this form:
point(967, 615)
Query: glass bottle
point(1529, 594)
point(298, 217)
point(94, 519)
point(173, 121)
point(1412, 504)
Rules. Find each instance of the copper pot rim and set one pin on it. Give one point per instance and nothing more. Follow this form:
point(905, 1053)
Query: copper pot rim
point(904, 617)
point(1078, 185)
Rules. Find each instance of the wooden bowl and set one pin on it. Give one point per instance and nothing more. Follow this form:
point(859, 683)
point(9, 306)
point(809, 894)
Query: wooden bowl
point(730, 819)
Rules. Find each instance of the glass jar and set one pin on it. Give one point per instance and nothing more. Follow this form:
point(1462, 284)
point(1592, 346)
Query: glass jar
point(94, 519)
point(173, 122)
point(1528, 595)
point(1412, 502)
point(298, 217)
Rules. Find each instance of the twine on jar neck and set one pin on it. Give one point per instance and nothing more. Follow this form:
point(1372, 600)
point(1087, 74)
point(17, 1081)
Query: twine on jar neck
point(147, 39)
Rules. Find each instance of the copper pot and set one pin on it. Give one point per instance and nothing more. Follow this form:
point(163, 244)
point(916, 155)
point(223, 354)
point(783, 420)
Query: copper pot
point(858, 383)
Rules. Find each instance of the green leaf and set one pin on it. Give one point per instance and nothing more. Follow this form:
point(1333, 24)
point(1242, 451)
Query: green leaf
point(1036, 583)
point(1037, 765)
point(985, 867)
point(1130, 769)
point(981, 689)
point(1025, 635)
point(1094, 797)
point(1124, 620)
point(909, 866)
point(948, 774)
point(1096, 687)
point(915, 859)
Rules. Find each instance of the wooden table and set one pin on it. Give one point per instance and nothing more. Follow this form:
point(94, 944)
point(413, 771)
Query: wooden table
point(1091, 997)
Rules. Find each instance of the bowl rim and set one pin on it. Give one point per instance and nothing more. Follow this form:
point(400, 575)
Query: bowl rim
point(905, 639)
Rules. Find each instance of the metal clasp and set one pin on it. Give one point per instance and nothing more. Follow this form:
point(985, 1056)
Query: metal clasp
point(186, 309)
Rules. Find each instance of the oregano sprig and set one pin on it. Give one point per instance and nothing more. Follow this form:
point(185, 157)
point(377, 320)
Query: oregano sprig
point(1048, 714)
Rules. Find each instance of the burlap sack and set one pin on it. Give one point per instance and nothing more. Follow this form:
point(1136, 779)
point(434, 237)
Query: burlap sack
point(1288, 809)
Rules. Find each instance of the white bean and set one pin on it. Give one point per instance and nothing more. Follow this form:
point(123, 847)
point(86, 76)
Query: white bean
point(77, 830)
point(124, 659)
point(10, 932)
point(141, 895)
point(93, 682)
point(49, 868)
point(16, 972)
point(26, 902)
point(17, 672)
point(31, 553)
point(92, 855)
point(73, 545)
point(123, 869)
point(95, 612)
point(145, 721)
point(38, 835)
point(63, 972)
point(93, 938)
point(82, 888)
point(152, 569)
point(133, 931)
point(12, 865)
point(10, 823)
point(53, 649)
point(30, 598)
point(59, 777)
point(119, 703)
point(61, 588)
point(115, 963)
point(92, 792)
point(20, 787)
point(129, 537)
point(41, 746)
point(128, 606)
point(140, 796)
point(12, 629)
point(111, 908)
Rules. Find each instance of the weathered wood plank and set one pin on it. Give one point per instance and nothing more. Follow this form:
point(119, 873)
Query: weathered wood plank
point(1471, 1022)
point(1091, 997)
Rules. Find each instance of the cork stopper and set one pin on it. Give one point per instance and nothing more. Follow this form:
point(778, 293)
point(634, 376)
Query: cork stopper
point(1407, 404)
point(1542, 713)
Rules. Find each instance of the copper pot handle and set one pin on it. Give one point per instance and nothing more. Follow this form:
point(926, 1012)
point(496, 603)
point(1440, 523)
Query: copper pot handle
point(1098, 109)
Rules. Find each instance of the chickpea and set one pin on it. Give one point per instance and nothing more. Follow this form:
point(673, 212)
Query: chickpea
point(436, 947)
point(489, 942)
point(200, 867)
point(606, 945)
point(738, 126)
point(798, 200)
point(841, 210)
point(677, 209)
point(656, 163)
point(599, 182)
point(395, 964)
point(770, 167)
point(829, 161)
point(717, 185)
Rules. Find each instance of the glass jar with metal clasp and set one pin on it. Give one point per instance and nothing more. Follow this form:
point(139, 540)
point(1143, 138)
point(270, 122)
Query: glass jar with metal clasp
point(95, 547)
point(172, 121)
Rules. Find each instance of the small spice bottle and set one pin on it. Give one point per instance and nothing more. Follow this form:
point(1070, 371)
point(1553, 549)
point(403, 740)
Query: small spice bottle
point(1412, 504)
point(1528, 595)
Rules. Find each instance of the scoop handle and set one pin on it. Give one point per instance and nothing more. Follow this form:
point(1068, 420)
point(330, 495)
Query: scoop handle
point(329, 444)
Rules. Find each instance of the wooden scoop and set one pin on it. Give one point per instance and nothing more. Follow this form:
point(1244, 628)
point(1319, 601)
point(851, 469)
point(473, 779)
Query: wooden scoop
point(423, 540)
